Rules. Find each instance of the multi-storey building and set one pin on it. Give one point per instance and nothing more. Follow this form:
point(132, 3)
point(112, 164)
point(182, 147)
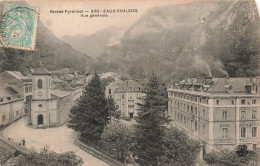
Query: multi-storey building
point(128, 96)
point(15, 88)
point(220, 112)
point(111, 88)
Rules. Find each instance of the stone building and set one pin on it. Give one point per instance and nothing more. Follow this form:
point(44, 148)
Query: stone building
point(49, 107)
point(127, 97)
point(15, 88)
point(220, 112)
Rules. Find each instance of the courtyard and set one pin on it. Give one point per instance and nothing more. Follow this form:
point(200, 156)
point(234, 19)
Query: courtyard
point(59, 139)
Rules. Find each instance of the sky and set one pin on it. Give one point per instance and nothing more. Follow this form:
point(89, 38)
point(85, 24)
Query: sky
point(73, 24)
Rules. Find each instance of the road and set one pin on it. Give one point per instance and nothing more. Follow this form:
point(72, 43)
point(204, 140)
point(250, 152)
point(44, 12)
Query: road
point(58, 139)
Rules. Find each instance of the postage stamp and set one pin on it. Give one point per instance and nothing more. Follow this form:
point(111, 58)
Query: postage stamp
point(19, 26)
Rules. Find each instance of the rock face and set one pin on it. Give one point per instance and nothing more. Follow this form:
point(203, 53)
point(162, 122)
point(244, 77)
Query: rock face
point(195, 39)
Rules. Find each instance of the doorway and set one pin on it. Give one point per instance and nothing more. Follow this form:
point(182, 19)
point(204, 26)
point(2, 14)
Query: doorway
point(40, 119)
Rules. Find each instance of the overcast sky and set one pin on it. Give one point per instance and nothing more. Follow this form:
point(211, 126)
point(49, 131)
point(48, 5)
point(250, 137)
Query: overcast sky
point(73, 24)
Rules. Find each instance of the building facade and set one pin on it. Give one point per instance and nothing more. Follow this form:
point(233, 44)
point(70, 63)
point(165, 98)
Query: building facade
point(219, 112)
point(127, 97)
point(49, 107)
point(14, 88)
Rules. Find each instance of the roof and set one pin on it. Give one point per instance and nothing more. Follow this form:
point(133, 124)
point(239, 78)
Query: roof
point(129, 86)
point(217, 85)
point(64, 86)
point(115, 84)
point(7, 91)
point(16, 74)
point(59, 93)
point(8, 148)
point(41, 71)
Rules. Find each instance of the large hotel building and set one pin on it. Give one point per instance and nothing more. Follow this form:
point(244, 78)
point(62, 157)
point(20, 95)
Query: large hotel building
point(220, 112)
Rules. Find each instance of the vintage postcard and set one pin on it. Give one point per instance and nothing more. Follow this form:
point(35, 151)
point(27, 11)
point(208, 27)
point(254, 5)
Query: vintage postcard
point(121, 82)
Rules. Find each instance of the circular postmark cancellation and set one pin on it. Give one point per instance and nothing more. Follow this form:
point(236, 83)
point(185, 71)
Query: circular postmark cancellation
point(19, 26)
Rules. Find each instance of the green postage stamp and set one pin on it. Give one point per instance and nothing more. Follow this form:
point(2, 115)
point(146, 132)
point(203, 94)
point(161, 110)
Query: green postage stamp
point(19, 26)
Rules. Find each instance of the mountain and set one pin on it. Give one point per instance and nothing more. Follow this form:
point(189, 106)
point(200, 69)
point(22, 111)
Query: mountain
point(201, 38)
point(94, 44)
point(53, 52)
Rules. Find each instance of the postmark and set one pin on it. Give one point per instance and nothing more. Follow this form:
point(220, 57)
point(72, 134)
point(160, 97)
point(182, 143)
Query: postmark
point(19, 26)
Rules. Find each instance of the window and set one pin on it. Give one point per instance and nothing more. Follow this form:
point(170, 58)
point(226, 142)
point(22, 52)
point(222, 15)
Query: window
point(200, 100)
point(204, 113)
point(217, 102)
point(40, 105)
point(181, 118)
point(243, 115)
point(178, 117)
point(224, 115)
point(184, 106)
point(1, 99)
point(224, 132)
point(254, 101)
point(233, 102)
point(203, 129)
point(254, 146)
point(17, 113)
point(39, 83)
point(196, 111)
point(243, 132)
point(175, 117)
point(4, 118)
point(109, 91)
point(191, 108)
point(254, 131)
point(207, 101)
point(254, 114)
point(123, 96)
point(196, 126)
point(188, 108)
point(191, 122)
point(9, 98)
point(184, 120)
point(196, 99)
point(243, 101)
point(178, 105)
point(30, 89)
point(26, 90)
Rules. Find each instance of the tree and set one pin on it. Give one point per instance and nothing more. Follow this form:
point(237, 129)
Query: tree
point(89, 115)
point(120, 135)
point(150, 124)
point(111, 106)
point(179, 148)
point(231, 158)
point(50, 158)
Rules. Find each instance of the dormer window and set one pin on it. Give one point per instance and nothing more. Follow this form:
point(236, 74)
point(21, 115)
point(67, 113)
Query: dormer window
point(9, 98)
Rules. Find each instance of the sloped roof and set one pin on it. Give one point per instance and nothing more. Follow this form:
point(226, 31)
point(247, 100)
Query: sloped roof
point(41, 71)
point(129, 86)
point(115, 84)
point(63, 86)
point(59, 93)
point(16, 74)
point(218, 85)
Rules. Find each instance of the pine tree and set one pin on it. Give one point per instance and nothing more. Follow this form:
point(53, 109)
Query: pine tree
point(150, 124)
point(89, 115)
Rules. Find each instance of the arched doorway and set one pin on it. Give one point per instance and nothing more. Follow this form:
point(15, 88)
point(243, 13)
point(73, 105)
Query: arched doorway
point(40, 119)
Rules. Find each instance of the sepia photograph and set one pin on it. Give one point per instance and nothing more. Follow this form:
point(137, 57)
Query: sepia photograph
point(130, 83)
